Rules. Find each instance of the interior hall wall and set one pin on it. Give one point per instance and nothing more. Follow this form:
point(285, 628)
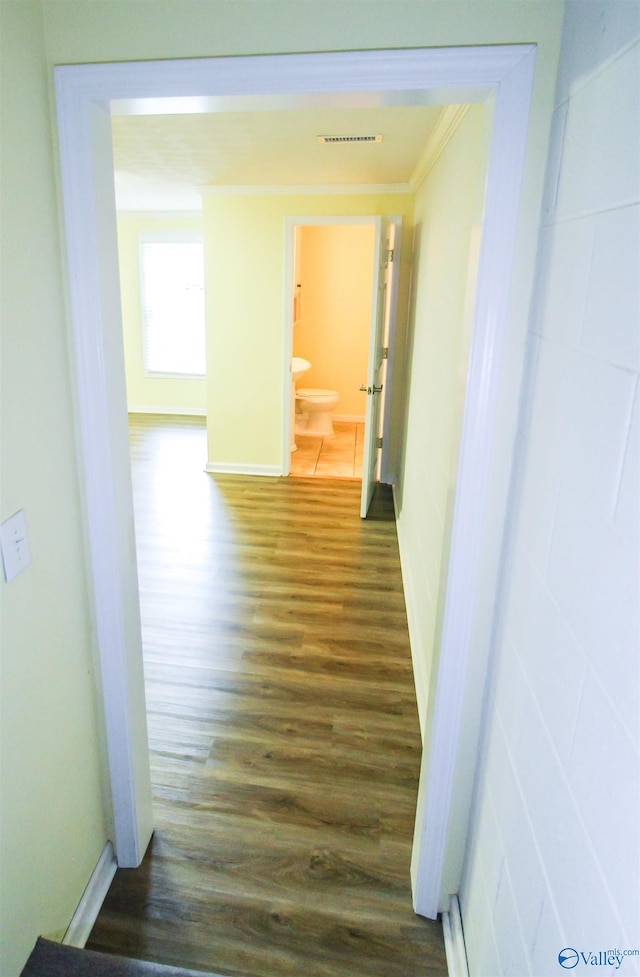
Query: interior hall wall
point(553, 856)
point(336, 270)
point(53, 791)
point(145, 393)
point(244, 292)
point(447, 220)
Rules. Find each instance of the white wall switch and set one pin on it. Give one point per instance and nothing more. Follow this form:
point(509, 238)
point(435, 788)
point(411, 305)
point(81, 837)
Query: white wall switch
point(14, 545)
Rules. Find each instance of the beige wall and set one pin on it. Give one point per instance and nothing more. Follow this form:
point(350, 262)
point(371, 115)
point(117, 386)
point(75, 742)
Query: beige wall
point(53, 824)
point(448, 215)
point(244, 286)
point(53, 815)
point(336, 274)
point(144, 392)
point(78, 31)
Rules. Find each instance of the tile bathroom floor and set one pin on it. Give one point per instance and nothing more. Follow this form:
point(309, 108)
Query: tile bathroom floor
point(338, 456)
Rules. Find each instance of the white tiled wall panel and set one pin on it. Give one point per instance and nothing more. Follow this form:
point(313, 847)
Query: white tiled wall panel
point(613, 294)
point(553, 856)
point(627, 513)
point(602, 136)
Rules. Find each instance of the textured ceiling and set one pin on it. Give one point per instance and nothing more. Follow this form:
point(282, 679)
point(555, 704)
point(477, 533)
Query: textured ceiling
point(160, 160)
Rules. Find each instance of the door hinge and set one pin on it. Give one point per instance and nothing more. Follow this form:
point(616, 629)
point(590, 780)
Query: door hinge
point(390, 255)
point(385, 352)
point(379, 442)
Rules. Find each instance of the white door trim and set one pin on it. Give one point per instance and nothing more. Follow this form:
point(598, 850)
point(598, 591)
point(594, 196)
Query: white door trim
point(375, 368)
point(388, 458)
point(502, 200)
point(83, 93)
point(290, 224)
point(387, 473)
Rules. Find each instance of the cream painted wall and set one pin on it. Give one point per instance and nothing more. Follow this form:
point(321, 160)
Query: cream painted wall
point(143, 392)
point(53, 824)
point(448, 215)
point(244, 275)
point(81, 31)
point(336, 273)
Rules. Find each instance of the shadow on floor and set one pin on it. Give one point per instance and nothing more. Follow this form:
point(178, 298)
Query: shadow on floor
point(381, 508)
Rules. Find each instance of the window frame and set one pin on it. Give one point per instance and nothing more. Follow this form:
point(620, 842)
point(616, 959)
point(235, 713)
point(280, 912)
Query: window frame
point(164, 237)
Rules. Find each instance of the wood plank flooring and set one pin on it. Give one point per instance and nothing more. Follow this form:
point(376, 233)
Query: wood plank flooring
point(283, 728)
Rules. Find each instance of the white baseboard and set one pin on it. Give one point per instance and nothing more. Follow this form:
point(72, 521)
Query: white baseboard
point(150, 409)
point(413, 603)
point(455, 949)
point(222, 468)
point(349, 418)
point(92, 898)
point(396, 504)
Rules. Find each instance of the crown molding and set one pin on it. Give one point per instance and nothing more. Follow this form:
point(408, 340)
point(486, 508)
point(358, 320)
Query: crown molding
point(444, 130)
point(304, 190)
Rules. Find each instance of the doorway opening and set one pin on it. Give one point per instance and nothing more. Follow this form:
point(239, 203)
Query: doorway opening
point(341, 298)
point(333, 266)
point(84, 92)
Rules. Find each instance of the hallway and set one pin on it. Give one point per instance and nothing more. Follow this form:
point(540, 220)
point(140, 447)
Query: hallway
point(283, 727)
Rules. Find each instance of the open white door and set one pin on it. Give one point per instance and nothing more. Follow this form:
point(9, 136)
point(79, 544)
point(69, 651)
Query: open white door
point(381, 308)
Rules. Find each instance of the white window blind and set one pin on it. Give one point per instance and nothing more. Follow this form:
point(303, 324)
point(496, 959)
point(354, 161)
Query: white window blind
point(172, 282)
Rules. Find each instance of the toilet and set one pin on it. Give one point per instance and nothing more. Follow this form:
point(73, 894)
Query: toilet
point(313, 410)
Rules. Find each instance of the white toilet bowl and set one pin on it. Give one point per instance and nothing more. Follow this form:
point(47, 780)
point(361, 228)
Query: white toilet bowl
point(298, 367)
point(315, 406)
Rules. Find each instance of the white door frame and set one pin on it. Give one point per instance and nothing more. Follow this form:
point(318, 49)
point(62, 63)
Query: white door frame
point(375, 366)
point(290, 224)
point(83, 95)
point(387, 466)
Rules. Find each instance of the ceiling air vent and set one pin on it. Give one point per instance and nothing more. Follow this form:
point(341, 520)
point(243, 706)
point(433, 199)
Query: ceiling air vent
point(340, 139)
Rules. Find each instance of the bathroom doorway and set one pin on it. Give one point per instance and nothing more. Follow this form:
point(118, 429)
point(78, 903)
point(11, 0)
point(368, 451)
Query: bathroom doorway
point(336, 304)
point(331, 321)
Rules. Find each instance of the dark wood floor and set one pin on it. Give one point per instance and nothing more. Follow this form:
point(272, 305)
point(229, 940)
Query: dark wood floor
point(283, 728)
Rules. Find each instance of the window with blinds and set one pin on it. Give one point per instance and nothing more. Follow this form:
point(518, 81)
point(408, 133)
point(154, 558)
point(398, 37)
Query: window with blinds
point(172, 284)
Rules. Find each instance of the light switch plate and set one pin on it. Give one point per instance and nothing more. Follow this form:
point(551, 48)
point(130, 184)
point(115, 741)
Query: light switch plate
point(15, 545)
